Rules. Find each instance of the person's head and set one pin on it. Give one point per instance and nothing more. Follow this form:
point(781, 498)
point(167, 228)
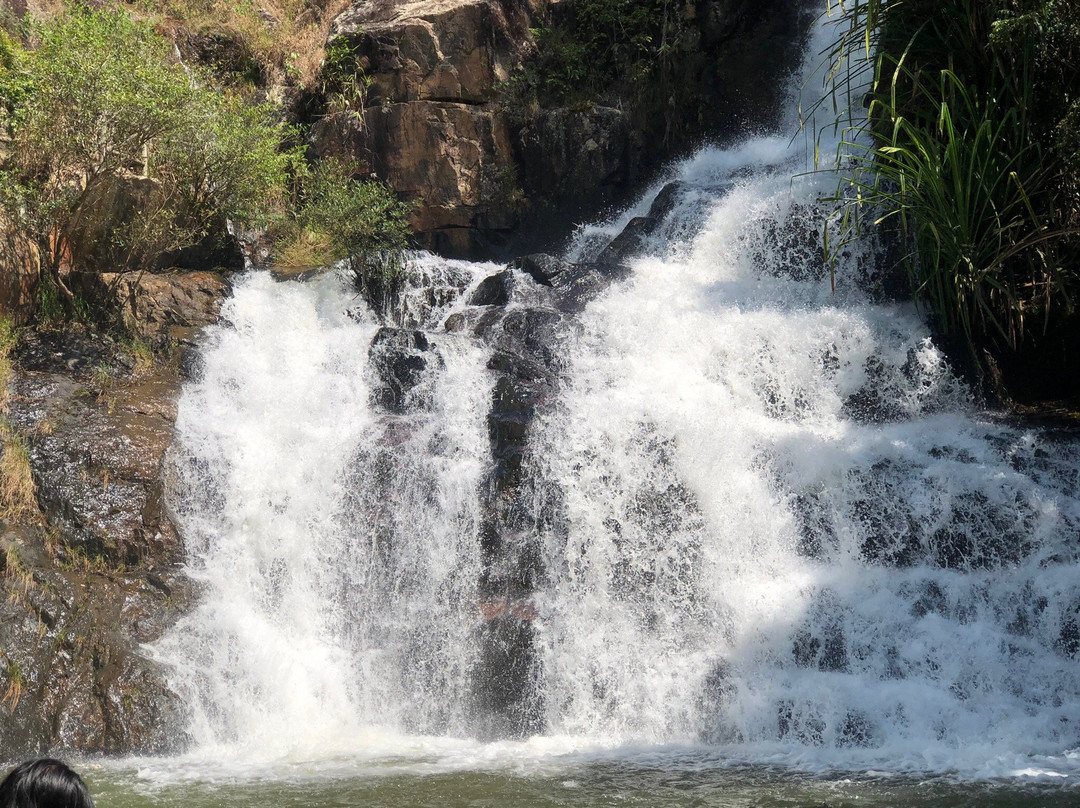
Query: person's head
point(44, 783)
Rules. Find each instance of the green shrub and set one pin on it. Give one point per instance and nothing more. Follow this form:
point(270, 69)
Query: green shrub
point(970, 146)
point(340, 218)
point(594, 46)
point(118, 153)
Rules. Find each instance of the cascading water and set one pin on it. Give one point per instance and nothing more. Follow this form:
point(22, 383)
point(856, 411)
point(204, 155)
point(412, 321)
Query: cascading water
point(763, 517)
point(335, 542)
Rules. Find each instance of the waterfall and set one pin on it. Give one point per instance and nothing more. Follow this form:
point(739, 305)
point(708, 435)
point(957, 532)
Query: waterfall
point(334, 543)
point(761, 515)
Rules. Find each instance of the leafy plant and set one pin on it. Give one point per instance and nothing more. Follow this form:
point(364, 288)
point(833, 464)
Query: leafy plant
point(593, 45)
point(340, 218)
point(965, 149)
point(117, 153)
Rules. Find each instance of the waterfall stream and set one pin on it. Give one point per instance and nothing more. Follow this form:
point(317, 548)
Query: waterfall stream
point(762, 516)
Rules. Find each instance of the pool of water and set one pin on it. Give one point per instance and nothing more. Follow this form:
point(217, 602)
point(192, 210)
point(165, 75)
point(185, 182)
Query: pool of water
point(658, 780)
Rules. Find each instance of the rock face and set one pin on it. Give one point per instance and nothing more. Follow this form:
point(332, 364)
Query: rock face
point(430, 125)
point(160, 308)
point(591, 151)
point(437, 123)
point(93, 573)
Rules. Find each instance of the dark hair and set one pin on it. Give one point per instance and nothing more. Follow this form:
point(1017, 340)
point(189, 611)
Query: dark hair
point(44, 783)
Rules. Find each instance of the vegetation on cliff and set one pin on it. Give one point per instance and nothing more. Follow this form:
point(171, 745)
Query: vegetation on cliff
point(119, 153)
point(971, 148)
point(339, 218)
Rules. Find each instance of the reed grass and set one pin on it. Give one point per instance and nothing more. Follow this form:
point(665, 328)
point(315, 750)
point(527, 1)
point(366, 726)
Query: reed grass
point(954, 151)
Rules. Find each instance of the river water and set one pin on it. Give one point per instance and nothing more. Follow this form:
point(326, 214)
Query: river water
point(784, 557)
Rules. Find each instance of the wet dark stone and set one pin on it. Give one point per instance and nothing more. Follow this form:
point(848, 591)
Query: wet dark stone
point(71, 350)
point(503, 682)
point(494, 290)
point(805, 649)
point(191, 364)
point(541, 267)
point(827, 652)
point(533, 334)
point(815, 530)
point(90, 574)
point(1068, 641)
point(664, 202)
point(400, 359)
point(629, 242)
point(806, 729)
point(455, 323)
point(874, 403)
point(584, 283)
point(856, 730)
point(931, 601)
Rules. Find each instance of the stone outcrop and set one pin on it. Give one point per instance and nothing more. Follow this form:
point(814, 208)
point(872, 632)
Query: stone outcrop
point(162, 308)
point(430, 125)
point(92, 572)
point(437, 121)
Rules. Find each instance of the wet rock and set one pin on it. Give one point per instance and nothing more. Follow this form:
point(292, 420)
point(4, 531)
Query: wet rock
point(94, 572)
point(664, 202)
point(74, 677)
point(824, 649)
point(96, 439)
point(803, 725)
point(506, 700)
point(932, 600)
point(494, 290)
point(430, 289)
point(857, 730)
point(161, 308)
point(584, 283)
point(400, 359)
point(1068, 641)
point(541, 267)
point(630, 242)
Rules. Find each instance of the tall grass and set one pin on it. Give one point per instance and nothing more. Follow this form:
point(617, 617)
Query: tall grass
point(953, 151)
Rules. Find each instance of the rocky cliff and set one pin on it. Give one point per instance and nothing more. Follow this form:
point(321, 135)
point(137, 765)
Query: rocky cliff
point(439, 118)
point(90, 563)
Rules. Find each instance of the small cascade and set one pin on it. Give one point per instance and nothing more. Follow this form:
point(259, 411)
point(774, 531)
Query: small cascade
point(326, 488)
point(670, 488)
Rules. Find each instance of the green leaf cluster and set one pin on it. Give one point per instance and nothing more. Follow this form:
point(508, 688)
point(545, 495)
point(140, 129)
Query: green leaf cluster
point(594, 46)
point(118, 152)
point(342, 218)
point(971, 146)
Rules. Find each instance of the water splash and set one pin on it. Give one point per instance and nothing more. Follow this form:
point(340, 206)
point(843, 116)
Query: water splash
point(771, 520)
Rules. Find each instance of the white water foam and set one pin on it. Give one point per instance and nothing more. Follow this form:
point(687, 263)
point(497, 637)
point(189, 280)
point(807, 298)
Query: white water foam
point(784, 532)
point(335, 544)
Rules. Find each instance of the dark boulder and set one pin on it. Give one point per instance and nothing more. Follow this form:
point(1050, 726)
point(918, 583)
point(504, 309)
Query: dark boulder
point(494, 290)
point(630, 243)
point(400, 359)
point(541, 267)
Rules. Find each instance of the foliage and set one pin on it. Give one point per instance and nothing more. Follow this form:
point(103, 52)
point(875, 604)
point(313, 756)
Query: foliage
point(340, 218)
point(342, 80)
point(970, 147)
point(595, 44)
point(17, 491)
point(251, 43)
point(117, 153)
